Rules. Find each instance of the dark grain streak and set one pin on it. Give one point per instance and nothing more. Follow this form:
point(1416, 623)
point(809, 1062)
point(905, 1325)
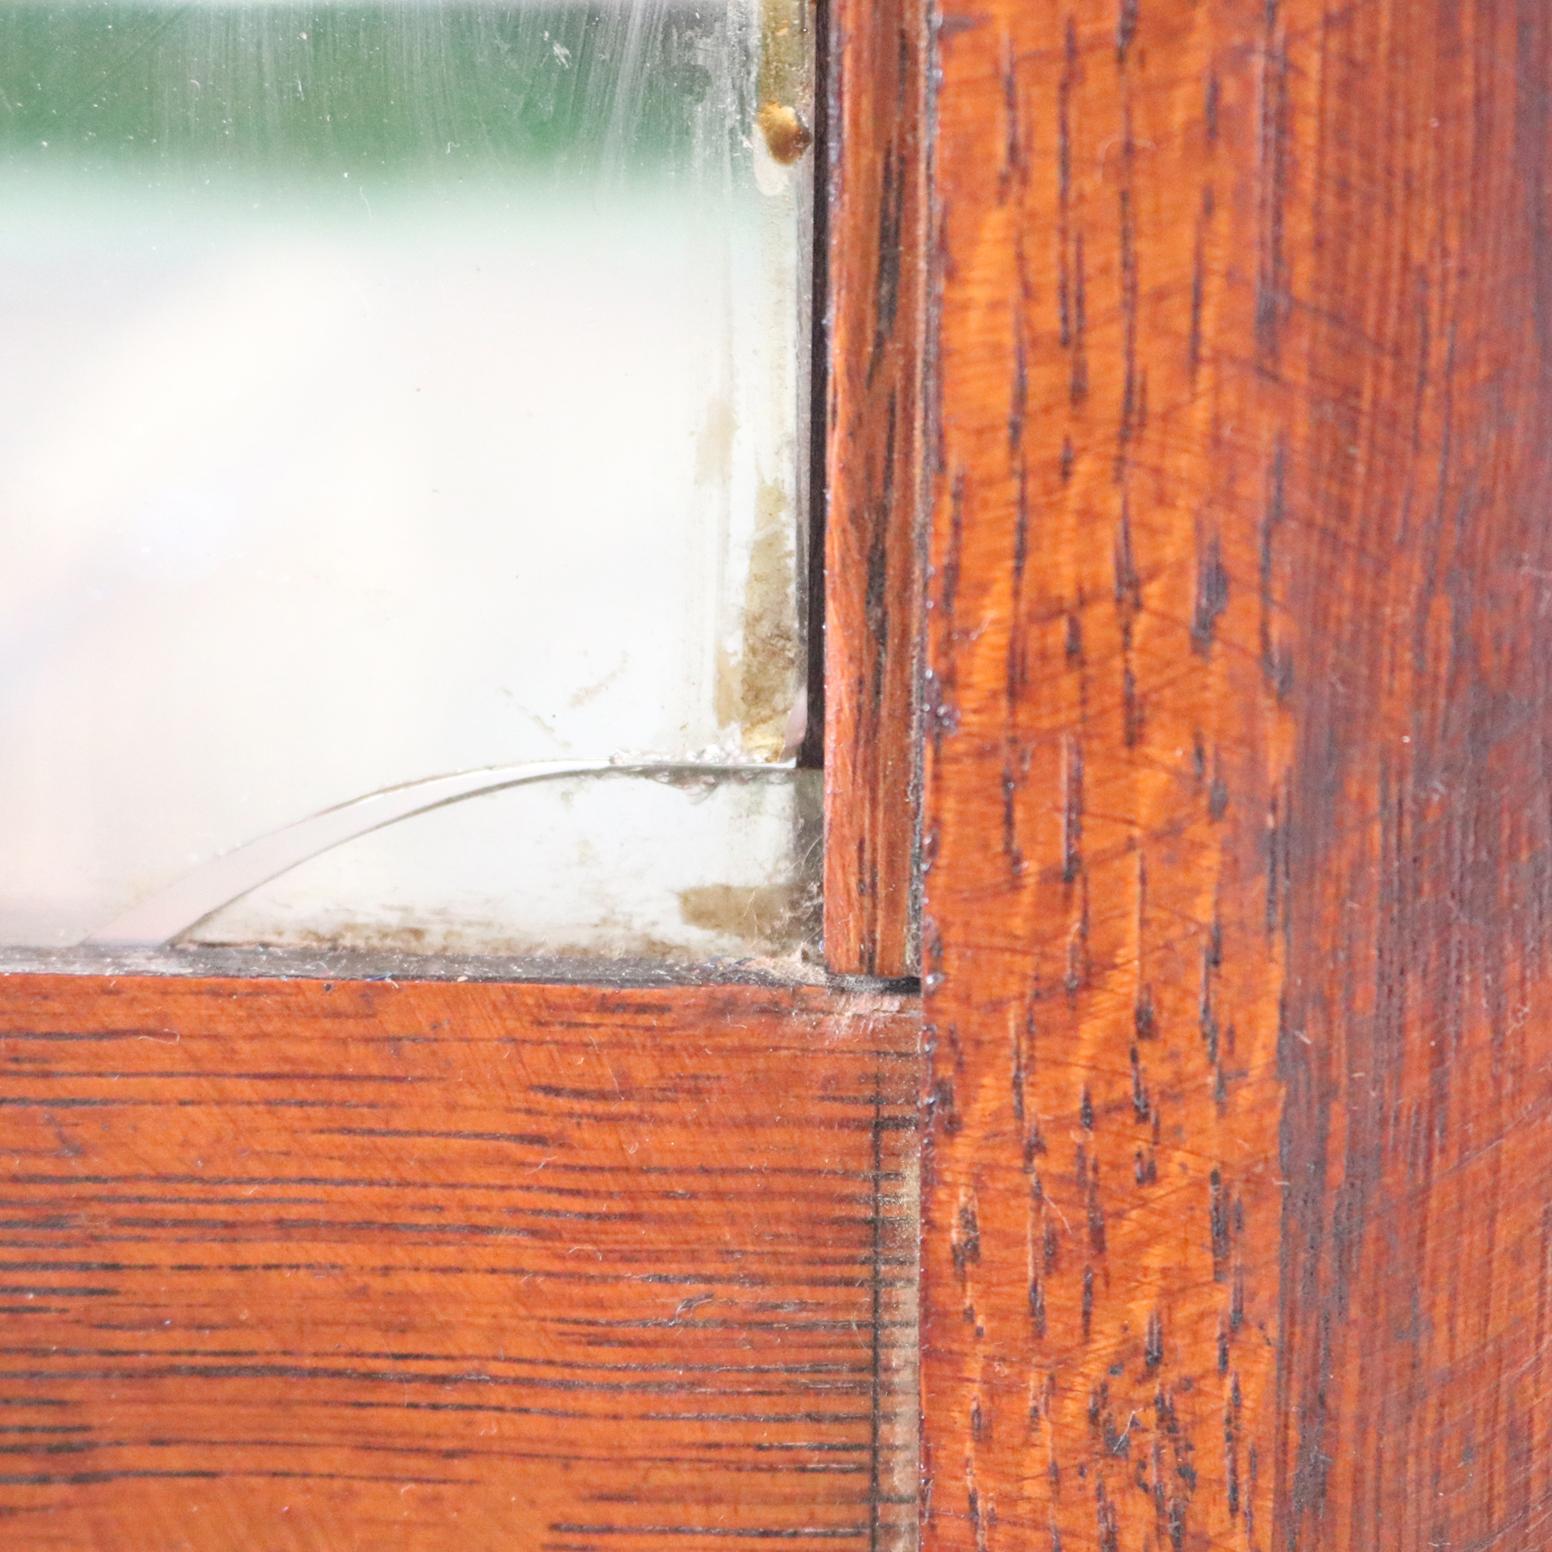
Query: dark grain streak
point(647, 1250)
point(1246, 1066)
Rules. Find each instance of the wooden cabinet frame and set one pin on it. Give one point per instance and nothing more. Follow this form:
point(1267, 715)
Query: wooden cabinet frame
point(1237, 829)
point(1216, 335)
point(334, 1264)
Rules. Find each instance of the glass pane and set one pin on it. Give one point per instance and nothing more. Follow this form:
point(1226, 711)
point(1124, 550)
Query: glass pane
point(693, 868)
point(396, 391)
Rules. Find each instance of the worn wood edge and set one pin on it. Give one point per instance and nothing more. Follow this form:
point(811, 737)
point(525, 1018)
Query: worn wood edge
point(847, 1004)
point(876, 182)
point(219, 962)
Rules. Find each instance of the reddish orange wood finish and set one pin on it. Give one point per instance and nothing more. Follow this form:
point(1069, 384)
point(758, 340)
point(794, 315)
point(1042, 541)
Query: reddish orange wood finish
point(1239, 1185)
point(876, 285)
point(1238, 1213)
point(431, 1266)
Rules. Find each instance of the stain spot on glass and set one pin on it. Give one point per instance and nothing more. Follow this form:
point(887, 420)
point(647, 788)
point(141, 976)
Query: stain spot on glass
point(715, 445)
point(757, 685)
point(776, 915)
point(787, 137)
point(786, 84)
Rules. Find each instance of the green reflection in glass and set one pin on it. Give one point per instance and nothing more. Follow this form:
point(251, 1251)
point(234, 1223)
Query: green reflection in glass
point(202, 91)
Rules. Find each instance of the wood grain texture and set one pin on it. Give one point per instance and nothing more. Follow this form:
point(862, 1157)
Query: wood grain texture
point(1238, 833)
point(293, 1265)
point(873, 537)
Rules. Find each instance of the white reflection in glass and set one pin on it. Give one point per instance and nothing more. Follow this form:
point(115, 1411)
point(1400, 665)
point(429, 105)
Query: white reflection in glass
point(394, 390)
